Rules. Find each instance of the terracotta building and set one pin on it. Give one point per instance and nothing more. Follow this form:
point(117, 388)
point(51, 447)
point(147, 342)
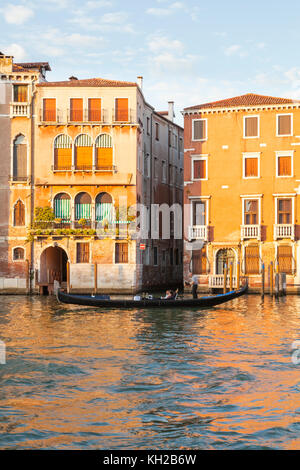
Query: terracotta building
point(97, 149)
point(241, 186)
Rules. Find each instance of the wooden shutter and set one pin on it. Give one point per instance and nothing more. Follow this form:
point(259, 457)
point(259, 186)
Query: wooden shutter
point(251, 212)
point(121, 253)
point(285, 259)
point(252, 259)
point(284, 211)
point(18, 253)
point(284, 124)
point(19, 214)
point(251, 126)
point(284, 166)
point(199, 216)
point(199, 169)
point(199, 261)
point(62, 159)
point(20, 161)
point(20, 93)
point(251, 167)
point(84, 153)
point(121, 112)
point(76, 109)
point(94, 109)
point(200, 129)
point(83, 253)
point(104, 152)
point(49, 109)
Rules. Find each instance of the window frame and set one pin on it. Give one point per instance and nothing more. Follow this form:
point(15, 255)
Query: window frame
point(284, 153)
point(199, 158)
point(251, 155)
point(193, 130)
point(292, 119)
point(277, 198)
point(258, 126)
point(251, 198)
point(115, 247)
point(83, 243)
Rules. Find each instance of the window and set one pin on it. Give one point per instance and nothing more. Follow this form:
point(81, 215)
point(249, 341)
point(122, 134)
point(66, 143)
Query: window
point(18, 254)
point(104, 208)
point(285, 259)
point(251, 126)
point(20, 93)
point(147, 164)
point(177, 257)
point(251, 212)
point(164, 171)
point(148, 126)
point(199, 213)
point(94, 109)
point(155, 256)
point(104, 152)
point(121, 109)
point(19, 214)
point(181, 144)
point(284, 211)
point(76, 109)
point(49, 109)
point(83, 152)
point(121, 253)
point(199, 129)
point(251, 165)
point(199, 168)
point(156, 131)
point(19, 159)
point(62, 207)
point(62, 152)
point(170, 138)
point(224, 257)
point(252, 259)
point(83, 205)
point(199, 261)
point(284, 124)
point(83, 253)
point(284, 164)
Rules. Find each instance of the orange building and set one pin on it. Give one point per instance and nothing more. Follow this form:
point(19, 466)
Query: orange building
point(241, 186)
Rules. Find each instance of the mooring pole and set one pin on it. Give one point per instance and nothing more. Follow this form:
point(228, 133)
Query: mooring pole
point(95, 278)
point(68, 277)
point(230, 277)
point(277, 280)
point(262, 280)
point(238, 274)
point(225, 279)
point(271, 278)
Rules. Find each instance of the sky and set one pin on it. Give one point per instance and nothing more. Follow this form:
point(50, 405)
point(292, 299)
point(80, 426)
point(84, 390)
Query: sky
point(188, 52)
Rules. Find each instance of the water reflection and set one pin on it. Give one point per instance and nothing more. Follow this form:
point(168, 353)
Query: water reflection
point(82, 378)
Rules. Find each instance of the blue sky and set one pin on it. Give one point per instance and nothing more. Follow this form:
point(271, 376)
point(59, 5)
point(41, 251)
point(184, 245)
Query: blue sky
point(190, 52)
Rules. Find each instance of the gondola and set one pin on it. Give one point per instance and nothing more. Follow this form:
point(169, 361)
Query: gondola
point(106, 302)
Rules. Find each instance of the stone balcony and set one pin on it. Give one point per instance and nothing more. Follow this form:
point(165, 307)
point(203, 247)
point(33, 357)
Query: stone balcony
point(250, 231)
point(198, 232)
point(19, 110)
point(284, 231)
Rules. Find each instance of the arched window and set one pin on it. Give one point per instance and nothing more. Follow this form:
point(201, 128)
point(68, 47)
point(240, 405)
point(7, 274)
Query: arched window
point(62, 207)
point(20, 159)
point(83, 152)
point(104, 152)
point(19, 213)
point(83, 204)
point(225, 256)
point(62, 152)
point(18, 254)
point(104, 207)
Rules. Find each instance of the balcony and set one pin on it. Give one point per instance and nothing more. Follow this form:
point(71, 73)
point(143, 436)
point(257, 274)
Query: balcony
point(86, 116)
point(250, 231)
point(20, 110)
point(50, 117)
point(123, 116)
point(198, 232)
point(19, 179)
point(284, 231)
point(216, 281)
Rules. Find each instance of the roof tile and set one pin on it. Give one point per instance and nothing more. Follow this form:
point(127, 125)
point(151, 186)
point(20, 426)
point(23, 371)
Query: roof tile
point(89, 82)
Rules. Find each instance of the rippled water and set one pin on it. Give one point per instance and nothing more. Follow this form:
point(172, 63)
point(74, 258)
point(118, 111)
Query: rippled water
point(79, 378)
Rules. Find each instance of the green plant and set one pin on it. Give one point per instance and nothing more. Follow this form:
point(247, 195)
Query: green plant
point(43, 217)
point(82, 222)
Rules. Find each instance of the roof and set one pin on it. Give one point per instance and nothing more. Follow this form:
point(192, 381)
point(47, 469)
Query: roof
point(163, 113)
point(89, 82)
point(250, 99)
point(19, 68)
point(34, 65)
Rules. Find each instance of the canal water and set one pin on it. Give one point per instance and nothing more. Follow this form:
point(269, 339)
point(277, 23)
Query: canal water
point(79, 378)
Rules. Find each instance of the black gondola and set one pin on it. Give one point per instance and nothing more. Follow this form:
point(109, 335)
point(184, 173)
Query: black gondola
point(104, 301)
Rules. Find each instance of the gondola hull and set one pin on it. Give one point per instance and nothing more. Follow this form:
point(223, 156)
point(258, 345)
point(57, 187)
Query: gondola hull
point(97, 301)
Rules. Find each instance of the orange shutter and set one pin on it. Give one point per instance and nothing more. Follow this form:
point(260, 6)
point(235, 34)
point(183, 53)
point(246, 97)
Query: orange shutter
point(199, 169)
point(49, 109)
point(104, 157)
point(284, 125)
point(251, 126)
point(84, 158)
point(76, 109)
point(251, 167)
point(284, 166)
point(121, 109)
point(62, 159)
point(94, 109)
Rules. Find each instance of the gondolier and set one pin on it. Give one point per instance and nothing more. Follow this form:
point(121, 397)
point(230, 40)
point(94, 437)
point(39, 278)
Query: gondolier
point(194, 284)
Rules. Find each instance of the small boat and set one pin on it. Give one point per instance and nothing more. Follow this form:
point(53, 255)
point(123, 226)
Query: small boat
point(106, 302)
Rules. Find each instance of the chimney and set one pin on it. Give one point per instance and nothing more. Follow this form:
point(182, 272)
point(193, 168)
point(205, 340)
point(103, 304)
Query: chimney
point(140, 82)
point(171, 114)
point(6, 63)
point(73, 78)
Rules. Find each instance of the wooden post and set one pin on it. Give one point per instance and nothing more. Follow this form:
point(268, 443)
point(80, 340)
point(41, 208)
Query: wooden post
point(238, 273)
point(262, 280)
point(27, 277)
point(68, 277)
point(225, 279)
point(230, 277)
point(277, 280)
point(95, 278)
point(271, 278)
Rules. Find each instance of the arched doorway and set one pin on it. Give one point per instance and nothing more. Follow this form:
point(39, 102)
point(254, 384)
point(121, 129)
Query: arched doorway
point(225, 256)
point(53, 265)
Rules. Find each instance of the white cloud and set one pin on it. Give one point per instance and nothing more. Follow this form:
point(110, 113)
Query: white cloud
point(165, 11)
point(235, 49)
point(158, 43)
point(15, 50)
point(16, 14)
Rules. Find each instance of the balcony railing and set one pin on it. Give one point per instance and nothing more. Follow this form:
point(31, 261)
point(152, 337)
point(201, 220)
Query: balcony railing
point(198, 232)
point(250, 231)
point(217, 281)
point(111, 168)
point(284, 231)
point(20, 110)
point(19, 178)
point(87, 115)
point(127, 116)
point(52, 116)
